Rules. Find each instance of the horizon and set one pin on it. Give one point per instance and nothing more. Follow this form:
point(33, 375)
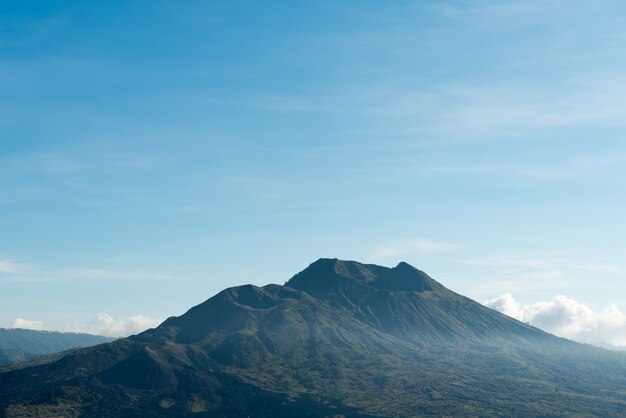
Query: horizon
point(154, 153)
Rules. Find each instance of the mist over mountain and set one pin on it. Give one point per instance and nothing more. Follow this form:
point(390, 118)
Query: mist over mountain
point(340, 338)
point(17, 345)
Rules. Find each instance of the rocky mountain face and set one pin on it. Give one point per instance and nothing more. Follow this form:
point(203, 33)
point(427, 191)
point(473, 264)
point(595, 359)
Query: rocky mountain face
point(339, 339)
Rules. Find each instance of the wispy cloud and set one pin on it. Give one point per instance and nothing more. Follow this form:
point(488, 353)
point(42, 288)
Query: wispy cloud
point(529, 274)
point(568, 318)
point(11, 271)
point(102, 324)
point(410, 246)
point(12, 267)
point(543, 282)
point(508, 109)
point(579, 100)
point(129, 274)
point(510, 261)
point(543, 262)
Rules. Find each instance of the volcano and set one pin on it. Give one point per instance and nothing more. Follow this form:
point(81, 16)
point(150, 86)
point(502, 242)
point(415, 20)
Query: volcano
point(340, 338)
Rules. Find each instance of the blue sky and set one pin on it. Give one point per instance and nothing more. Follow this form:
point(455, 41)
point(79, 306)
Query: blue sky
point(153, 153)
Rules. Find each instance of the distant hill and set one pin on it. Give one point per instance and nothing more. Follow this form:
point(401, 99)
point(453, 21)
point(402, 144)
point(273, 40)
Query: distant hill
point(339, 339)
point(17, 345)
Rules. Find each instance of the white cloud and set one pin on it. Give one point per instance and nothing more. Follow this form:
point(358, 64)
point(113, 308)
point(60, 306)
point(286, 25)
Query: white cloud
point(12, 267)
point(507, 305)
point(567, 318)
point(102, 324)
point(413, 246)
point(27, 324)
point(105, 324)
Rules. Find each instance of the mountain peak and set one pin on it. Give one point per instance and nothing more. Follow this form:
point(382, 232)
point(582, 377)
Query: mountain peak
point(334, 341)
point(327, 275)
point(346, 268)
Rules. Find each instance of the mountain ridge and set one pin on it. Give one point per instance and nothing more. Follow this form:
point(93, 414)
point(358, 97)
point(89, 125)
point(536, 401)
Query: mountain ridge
point(340, 338)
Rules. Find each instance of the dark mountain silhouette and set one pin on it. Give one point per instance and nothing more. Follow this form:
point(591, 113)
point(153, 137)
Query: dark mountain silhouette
point(339, 339)
point(17, 345)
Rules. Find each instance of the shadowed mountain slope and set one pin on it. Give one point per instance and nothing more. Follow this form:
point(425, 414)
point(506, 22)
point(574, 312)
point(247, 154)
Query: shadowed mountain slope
point(339, 339)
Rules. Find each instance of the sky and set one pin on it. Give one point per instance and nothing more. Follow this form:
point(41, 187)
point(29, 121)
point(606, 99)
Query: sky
point(153, 153)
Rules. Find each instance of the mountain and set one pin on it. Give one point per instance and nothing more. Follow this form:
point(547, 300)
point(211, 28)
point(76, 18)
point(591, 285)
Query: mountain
point(339, 339)
point(17, 345)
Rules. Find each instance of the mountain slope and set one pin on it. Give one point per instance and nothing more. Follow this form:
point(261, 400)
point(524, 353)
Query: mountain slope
point(18, 345)
point(339, 338)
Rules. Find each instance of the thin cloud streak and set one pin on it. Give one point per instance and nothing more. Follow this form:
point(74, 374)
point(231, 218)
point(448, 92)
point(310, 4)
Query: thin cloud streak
point(531, 274)
point(8, 266)
point(543, 262)
point(411, 246)
point(11, 271)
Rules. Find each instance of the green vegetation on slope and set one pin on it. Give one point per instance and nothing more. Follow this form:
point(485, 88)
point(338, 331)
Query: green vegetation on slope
point(18, 345)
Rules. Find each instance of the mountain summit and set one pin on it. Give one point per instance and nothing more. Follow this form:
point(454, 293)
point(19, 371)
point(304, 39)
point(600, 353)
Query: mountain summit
point(330, 275)
point(340, 338)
